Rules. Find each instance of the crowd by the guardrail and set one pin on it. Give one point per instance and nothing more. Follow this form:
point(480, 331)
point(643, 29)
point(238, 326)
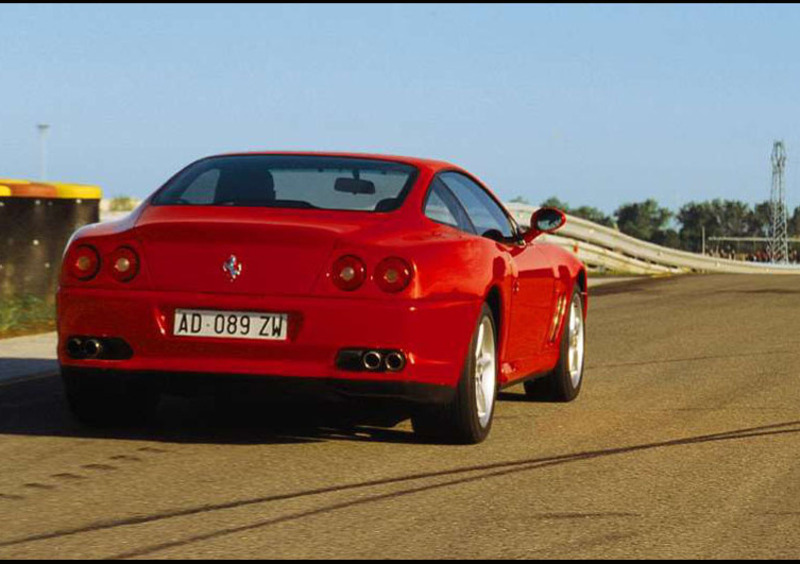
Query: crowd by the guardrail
point(761, 255)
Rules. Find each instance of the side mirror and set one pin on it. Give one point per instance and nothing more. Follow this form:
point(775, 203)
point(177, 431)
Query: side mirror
point(545, 220)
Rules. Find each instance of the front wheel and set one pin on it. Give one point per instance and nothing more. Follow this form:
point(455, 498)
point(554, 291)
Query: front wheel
point(467, 419)
point(564, 383)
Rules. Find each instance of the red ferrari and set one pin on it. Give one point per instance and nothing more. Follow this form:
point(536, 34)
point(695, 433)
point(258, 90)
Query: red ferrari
point(371, 276)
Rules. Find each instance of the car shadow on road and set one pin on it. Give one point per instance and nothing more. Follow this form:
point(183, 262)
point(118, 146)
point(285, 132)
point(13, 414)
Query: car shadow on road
point(37, 406)
point(517, 395)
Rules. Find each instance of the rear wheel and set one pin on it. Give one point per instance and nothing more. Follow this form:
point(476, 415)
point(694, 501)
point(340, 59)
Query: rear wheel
point(467, 419)
point(564, 383)
point(105, 401)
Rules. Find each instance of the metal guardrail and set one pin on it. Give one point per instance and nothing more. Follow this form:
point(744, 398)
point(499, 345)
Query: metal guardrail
point(594, 256)
point(603, 246)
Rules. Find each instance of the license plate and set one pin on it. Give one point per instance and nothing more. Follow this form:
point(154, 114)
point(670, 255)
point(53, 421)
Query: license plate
point(231, 324)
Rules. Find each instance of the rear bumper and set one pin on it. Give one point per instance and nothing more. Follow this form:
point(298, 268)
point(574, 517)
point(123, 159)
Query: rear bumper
point(434, 335)
point(270, 386)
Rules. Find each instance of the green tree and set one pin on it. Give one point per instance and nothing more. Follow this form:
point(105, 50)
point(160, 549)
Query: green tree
point(554, 202)
point(693, 217)
point(121, 203)
point(735, 218)
point(794, 223)
point(643, 220)
point(721, 218)
point(585, 212)
point(760, 220)
point(593, 214)
point(667, 238)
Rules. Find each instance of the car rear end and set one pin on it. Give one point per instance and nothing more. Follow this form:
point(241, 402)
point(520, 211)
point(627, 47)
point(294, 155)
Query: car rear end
point(267, 281)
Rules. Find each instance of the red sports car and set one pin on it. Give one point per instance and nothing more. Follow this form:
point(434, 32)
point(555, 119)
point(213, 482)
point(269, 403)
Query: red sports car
point(369, 275)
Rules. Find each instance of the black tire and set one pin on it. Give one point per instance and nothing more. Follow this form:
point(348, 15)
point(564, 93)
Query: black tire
point(557, 386)
point(458, 422)
point(107, 401)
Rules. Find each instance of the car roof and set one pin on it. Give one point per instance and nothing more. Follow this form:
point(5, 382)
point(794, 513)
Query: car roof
point(430, 164)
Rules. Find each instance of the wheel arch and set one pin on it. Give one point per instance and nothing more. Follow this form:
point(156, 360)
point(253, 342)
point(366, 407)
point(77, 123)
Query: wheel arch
point(574, 274)
point(494, 299)
point(582, 283)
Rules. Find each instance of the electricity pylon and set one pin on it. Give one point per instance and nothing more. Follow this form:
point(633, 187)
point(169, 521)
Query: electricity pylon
point(779, 239)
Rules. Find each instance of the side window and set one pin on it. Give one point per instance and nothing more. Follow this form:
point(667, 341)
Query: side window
point(202, 189)
point(443, 207)
point(484, 212)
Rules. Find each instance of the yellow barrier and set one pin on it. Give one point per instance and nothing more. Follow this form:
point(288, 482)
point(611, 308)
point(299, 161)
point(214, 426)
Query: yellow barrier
point(77, 191)
point(33, 191)
point(65, 190)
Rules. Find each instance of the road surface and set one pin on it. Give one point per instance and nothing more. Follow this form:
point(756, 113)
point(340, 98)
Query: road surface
point(684, 444)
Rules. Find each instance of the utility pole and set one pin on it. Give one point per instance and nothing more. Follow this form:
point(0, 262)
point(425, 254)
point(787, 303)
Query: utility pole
point(43, 130)
point(704, 239)
point(779, 240)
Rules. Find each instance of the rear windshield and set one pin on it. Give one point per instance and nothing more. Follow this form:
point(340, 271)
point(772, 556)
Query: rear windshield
point(304, 182)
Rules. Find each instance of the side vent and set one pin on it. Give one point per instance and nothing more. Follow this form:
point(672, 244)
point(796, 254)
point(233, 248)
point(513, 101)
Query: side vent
point(558, 315)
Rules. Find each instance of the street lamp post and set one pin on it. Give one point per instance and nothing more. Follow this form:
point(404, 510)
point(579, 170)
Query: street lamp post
point(43, 129)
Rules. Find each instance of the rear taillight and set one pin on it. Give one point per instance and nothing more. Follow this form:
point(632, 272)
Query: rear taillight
point(124, 264)
point(83, 262)
point(393, 275)
point(348, 273)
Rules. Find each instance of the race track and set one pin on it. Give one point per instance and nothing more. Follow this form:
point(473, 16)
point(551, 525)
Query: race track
point(684, 444)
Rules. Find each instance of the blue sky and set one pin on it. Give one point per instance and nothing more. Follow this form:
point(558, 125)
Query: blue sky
point(597, 105)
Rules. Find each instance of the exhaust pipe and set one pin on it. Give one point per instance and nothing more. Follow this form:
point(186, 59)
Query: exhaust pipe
point(372, 360)
point(75, 347)
point(395, 361)
point(92, 348)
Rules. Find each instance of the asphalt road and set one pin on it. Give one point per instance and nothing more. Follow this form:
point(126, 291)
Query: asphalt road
point(684, 444)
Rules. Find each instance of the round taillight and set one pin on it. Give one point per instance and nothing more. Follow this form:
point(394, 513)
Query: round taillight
point(124, 264)
point(348, 273)
point(393, 275)
point(84, 262)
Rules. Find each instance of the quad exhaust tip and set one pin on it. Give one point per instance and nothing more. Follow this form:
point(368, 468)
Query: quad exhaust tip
point(75, 347)
point(372, 360)
point(395, 361)
point(92, 348)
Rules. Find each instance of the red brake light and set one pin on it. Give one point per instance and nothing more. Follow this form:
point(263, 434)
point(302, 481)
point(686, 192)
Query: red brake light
point(83, 262)
point(348, 273)
point(393, 275)
point(124, 264)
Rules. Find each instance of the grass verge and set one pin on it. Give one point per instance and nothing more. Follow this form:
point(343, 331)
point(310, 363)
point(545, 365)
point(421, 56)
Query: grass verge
point(25, 315)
